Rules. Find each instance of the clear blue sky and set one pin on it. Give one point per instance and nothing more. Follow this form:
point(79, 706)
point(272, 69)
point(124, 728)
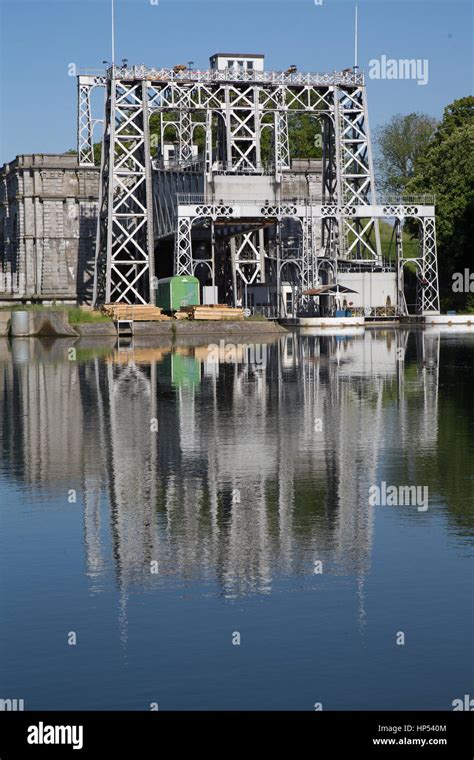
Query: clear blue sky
point(40, 39)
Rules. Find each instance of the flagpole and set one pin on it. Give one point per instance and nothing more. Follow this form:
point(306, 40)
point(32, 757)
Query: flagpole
point(356, 39)
point(113, 32)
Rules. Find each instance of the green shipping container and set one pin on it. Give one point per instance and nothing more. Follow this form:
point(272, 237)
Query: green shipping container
point(174, 292)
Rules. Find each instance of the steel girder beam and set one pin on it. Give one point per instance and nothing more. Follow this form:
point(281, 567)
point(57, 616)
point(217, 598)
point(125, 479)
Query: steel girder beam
point(309, 268)
point(173, 96)
point(185, 136)
point(124, 257)
point(185, 131)
point(428, 288)
point(102, 252)
point(183, 257)
point(330, 229)
point(248, 258)
point(401, 300)
point(355, 183)
point(240, 209)
point(85, 122)
point(280, 136)
point(85, 148)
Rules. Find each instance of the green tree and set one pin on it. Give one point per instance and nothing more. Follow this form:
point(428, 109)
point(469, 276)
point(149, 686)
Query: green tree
point(446, 169)
point(97, 148)
point(398, 147)
point(304, 133)
point(304, 137)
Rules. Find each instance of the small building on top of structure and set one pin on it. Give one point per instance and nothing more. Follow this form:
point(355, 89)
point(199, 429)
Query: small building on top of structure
point(238, 62)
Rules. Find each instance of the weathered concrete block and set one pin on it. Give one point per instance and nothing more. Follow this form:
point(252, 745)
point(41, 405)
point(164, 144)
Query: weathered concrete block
point(4, 320)
point(44, 234)
point(96, 329)
point(45, 323)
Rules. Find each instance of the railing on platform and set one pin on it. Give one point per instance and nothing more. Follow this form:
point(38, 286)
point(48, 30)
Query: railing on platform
point(193, 199)
point(233, 75)
point(219, 167)
point(424, 199)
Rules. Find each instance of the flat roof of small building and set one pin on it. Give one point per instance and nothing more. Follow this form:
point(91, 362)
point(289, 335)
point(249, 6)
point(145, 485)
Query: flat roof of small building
point(237, 55)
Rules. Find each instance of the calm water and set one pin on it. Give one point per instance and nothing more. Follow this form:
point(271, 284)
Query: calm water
point(257, 472)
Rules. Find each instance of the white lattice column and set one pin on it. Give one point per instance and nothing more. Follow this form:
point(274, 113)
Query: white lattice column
point(85, 121)
point(428, 293)
point(85, 149)
point(309, 258)
point(183, 259)
point(281, 139)
point(355, 174)
point(124, 268)
point(208, 145)
point(243, 128)
point(185, 130)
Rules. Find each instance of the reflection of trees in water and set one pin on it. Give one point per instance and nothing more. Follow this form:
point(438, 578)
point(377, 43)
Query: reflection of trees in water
point(238, 486)
point(449, 466)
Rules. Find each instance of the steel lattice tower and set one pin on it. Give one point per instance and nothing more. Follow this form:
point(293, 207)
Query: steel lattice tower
point(340, 226)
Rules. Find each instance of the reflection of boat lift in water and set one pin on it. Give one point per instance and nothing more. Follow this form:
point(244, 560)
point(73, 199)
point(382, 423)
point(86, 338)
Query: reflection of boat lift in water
point(328, 393)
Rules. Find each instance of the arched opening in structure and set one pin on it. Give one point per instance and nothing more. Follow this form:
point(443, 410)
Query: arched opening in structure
point(290, 278)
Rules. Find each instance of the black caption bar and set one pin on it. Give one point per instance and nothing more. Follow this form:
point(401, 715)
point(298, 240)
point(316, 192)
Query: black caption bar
point(102, 734)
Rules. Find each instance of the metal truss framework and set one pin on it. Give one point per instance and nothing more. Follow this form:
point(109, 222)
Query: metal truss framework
point(309, 264)
point(308, 215)
point(85, 122)
point(428, 292)
point(249, 258)
point(243, 106)
point(281, 142)
point(124, 266)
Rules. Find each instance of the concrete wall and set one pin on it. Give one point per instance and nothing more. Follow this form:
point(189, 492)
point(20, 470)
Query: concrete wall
point(231, 187)
point(372, 288)
point(48, 215)
point(302, 180)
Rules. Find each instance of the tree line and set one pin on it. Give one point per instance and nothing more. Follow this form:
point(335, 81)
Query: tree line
point(417, 154)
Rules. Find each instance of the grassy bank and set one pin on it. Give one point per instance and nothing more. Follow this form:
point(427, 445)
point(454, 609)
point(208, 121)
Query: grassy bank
point(75, 314)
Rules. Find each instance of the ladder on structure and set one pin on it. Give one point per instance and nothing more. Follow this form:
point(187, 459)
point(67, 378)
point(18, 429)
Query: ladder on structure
point(124, 325)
